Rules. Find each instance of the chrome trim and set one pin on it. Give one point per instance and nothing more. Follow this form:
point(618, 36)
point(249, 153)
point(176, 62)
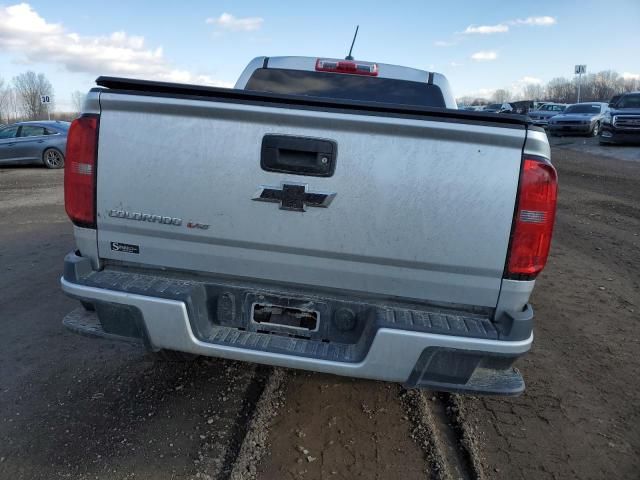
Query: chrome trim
point(626, 121)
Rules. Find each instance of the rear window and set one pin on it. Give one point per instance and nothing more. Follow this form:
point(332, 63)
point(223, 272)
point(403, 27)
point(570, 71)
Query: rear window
point(345, 87)
point(583, 108)
point(60, 127)
point(629, 101)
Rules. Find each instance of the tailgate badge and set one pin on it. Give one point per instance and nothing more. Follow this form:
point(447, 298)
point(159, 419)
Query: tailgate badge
point(293, 196)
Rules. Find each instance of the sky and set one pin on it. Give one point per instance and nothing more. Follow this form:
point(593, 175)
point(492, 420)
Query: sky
point(479, 45)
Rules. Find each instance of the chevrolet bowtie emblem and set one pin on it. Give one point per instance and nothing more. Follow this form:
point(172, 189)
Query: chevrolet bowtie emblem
point(294, 197)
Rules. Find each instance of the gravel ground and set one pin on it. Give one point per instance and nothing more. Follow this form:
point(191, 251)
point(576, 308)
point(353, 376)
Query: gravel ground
point(580, 415)
point(591, 146)
point(341, 428)
point(75, 407)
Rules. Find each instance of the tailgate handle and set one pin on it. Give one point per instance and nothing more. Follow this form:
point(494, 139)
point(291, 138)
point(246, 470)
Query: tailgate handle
point(314, 157)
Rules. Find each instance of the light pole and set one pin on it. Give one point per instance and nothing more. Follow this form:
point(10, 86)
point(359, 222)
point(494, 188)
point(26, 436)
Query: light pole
point(579, 70)
point(46, 100)
point(579, 85)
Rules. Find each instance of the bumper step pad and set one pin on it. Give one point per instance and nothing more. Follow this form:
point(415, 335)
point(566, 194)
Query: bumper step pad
point(86, 323)
point(483, 381)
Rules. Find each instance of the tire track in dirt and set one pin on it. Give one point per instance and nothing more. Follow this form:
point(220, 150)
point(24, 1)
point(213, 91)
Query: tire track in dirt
point(575, 418)
point(440, 430)
point(341, 428)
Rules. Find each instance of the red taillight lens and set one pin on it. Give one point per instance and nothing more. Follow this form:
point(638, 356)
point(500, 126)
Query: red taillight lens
point(80, 171)
point(347, 66)
point(533, 222)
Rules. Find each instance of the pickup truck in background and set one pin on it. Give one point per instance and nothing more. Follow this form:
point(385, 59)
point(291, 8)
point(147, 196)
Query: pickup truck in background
point(329, 215)
point(621, 124)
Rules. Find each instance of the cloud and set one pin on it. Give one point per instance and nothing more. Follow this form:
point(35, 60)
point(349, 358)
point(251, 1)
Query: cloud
point(484, 56)
point(455, 64)
point(503, 27)
point(530, 81)
point(235, 24)
point(544, 21)
point(631, 76)
point(444, 43)
point(24, 32)
point(486, 29)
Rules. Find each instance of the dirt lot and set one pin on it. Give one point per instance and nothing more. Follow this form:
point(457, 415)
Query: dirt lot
point(334, 427)
point(591, 146)
point(72, 407)
point(580, 415)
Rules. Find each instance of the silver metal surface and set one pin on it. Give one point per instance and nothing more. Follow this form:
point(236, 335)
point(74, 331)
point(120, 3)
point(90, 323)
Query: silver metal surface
point(392, 355)
point(423, 208)
point(92, 103)
point(537, 144)
point(514, 296)
point(87, 242)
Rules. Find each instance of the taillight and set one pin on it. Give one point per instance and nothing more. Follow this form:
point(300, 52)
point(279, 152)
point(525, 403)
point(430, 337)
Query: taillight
point(534, 218)
point(80, 171)
point(347, 66)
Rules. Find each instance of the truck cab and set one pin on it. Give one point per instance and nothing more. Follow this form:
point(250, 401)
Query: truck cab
point(316, 77)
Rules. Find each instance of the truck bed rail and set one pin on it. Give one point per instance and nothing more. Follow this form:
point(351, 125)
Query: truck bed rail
point(200, 92)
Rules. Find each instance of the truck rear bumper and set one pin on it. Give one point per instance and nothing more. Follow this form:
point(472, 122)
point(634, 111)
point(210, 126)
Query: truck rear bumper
point(571, 128)
point(619, 136)
point(460, 360)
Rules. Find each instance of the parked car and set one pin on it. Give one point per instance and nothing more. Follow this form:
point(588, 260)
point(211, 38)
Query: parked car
point(541, 116)
point(521, 107)
point(621, 124)
point(330, 215)
point(497, 108)
point(584, 118)
point(34, 142)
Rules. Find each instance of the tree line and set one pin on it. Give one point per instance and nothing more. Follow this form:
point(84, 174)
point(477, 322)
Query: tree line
point(20, 99)
point(594, 87)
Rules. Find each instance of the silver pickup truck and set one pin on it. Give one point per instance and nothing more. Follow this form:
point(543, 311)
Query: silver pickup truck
point(329, 215)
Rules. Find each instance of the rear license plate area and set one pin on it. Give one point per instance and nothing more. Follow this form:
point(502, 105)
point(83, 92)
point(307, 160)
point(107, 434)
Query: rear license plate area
point(297, 320)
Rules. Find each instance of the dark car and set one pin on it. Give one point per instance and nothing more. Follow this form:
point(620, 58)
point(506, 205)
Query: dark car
point(622, 123)
point(497, 108)
point(522, 107)
point(585, 118)
point(34, 142)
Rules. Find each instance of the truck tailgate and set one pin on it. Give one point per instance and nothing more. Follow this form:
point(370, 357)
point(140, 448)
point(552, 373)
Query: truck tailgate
point(422, 207)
